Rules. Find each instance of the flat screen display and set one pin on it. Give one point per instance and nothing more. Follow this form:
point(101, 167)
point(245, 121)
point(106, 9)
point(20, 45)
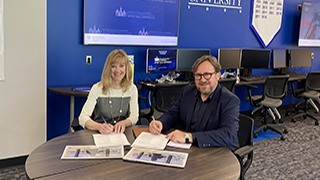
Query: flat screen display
point(255, 58)
point(161, 60)
point(300, 58)
point(309, 35)
point(186, 58)
point(229, 58)
point(131, 22)
point(280, 58)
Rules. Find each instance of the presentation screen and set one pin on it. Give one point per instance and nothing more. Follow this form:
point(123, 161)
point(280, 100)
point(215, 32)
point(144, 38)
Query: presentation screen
point(161, 60)
point(131, 22)
point(309, 35)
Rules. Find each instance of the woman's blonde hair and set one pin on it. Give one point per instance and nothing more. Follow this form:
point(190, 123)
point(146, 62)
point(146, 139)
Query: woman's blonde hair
point(116, 56)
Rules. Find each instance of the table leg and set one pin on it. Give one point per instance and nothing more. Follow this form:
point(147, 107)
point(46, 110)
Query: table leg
point(71, 112)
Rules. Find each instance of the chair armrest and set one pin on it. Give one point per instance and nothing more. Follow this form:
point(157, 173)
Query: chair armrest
point(243, 151)
point(250, 86)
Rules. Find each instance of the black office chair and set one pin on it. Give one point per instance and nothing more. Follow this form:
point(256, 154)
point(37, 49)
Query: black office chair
point(275, 88)
point(163, 97)
point(310, 92)
point(229, 83)
point(245, 137)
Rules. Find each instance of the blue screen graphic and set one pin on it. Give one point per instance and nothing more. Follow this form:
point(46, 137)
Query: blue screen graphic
point(161, 60)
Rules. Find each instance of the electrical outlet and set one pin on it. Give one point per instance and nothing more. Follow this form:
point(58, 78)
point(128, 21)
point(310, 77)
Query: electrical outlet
point(312, 55)
point(88, 59)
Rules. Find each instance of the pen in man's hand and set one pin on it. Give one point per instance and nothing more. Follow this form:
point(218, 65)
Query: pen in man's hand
point(154, 121)
point(104, 119)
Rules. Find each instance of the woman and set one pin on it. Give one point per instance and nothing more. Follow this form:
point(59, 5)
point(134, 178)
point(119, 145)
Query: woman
point(112, 103)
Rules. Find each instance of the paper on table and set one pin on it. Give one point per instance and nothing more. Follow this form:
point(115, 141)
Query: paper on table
point(150, 141)
point(103, 140)
point(180, 145)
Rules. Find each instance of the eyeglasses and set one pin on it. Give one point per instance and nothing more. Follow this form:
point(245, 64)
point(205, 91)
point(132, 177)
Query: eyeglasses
point(206, 76)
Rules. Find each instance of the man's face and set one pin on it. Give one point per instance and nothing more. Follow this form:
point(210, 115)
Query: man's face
point(209, 79)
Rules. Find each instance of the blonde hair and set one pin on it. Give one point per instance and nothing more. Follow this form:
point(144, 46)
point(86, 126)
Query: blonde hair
point(116, 56)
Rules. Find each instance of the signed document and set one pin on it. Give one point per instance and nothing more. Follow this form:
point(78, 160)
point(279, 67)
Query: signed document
point(150, 141)
point(105, 140)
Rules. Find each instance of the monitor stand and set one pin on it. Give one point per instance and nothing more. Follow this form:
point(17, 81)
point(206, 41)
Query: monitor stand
point(245, 72)
point(282, 71)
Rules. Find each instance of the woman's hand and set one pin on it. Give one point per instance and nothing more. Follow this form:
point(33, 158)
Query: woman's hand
point(105, 128)
point(120, 127)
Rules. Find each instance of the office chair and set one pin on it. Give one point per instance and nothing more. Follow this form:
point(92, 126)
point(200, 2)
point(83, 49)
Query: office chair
point(275, 88)
point(310, 92)
point(163, 97)
point(229, 83)
point(245, 137)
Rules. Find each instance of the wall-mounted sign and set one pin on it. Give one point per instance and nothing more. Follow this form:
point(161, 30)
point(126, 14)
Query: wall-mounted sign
point(266, 19)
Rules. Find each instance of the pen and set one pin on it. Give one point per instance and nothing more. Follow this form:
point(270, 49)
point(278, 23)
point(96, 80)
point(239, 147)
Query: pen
point(154, 120)
point(104, 119)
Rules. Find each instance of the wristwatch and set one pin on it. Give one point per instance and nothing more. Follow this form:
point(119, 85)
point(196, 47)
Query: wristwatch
point(187, 137)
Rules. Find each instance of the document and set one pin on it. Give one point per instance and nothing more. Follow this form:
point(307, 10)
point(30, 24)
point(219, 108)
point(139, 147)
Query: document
point(159, 157)
point(92, 152)
point(150, 141)
point(104, 140)
point(179, 145)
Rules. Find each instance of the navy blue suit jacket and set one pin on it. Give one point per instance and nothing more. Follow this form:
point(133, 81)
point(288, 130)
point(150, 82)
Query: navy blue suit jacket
point(219, 125)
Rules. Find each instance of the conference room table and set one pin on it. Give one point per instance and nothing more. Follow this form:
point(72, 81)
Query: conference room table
point(205, 163)
point(69, 91)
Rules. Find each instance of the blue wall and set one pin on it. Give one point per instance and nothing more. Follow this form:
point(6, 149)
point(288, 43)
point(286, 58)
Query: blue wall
point(198, 28)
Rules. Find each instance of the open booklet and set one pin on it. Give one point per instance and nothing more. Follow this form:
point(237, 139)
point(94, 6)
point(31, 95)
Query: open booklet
point(113, 139)
point(150, 141)
point(92, 152)
point(159, 157)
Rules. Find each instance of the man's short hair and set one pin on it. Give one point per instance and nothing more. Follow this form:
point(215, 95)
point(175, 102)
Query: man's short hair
point(211, 59)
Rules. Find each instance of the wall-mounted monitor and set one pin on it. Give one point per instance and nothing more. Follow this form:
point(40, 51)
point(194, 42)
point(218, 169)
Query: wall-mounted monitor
point(280, 58)
point(229, 58)
point(255, 58)
point(186, 58)
point(161, 60)
point(131, 22)
point(309, 34)
point(300, 58)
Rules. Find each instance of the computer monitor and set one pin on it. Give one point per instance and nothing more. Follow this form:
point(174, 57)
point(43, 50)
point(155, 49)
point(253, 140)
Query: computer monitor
point(229, 58)
point(280, 58)
point(161, 60)
point(254, 59)
point(300, 58)
point(186, 58)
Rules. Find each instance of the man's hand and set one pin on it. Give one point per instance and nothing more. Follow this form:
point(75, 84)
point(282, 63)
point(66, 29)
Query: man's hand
point(177, 136)
point(155, 127)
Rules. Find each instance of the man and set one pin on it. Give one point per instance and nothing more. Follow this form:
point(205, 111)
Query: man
point(207, 111)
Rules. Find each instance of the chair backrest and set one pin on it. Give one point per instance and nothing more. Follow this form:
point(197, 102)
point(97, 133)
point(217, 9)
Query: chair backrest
point(313, 81)
point(229, 83)
point(245, 133)
point(276, 86)
point(165, 95)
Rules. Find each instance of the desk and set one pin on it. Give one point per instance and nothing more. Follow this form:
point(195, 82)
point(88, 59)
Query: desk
point(67, 90)
point(206, 163)
point(297, 77)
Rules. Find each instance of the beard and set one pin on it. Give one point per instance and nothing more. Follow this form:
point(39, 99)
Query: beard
point(203, 90)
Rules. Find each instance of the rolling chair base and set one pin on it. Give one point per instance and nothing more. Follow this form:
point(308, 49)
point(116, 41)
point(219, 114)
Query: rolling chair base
point(305, 115)
point(275, 128)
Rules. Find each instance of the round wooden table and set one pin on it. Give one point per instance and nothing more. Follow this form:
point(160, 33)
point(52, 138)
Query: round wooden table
point(206, 163)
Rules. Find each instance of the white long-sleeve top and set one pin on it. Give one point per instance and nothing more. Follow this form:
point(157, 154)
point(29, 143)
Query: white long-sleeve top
point(97, 105)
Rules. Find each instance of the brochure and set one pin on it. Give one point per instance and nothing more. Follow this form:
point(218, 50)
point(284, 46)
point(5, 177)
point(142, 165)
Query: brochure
point(92, 152)
point(159, 157)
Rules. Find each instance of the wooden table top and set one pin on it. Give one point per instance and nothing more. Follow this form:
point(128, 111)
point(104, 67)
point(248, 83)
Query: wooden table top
point(68, 90)
point(206, 163)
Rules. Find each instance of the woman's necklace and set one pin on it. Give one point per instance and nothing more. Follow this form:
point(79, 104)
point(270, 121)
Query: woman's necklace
point(120, 111)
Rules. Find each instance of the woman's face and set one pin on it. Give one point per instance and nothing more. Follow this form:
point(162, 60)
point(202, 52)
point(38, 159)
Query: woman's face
point(118, 71)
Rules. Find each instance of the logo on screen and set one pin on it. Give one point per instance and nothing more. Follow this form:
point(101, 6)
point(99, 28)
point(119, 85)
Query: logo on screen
point(231, 4)
point(120, 13)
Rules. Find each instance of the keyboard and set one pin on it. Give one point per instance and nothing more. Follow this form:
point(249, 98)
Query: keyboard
point(251, 78)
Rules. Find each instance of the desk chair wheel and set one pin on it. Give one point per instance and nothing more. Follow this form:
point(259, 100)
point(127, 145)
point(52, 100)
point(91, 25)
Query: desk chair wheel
point(274, 122)
point(282, 138)
point(293, 120)
point(285, 131)
point(281, 120)
point(316, 123)
point(255, 135)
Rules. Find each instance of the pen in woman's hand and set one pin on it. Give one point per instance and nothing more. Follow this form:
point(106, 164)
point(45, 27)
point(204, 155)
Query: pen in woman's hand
point(104, 120)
